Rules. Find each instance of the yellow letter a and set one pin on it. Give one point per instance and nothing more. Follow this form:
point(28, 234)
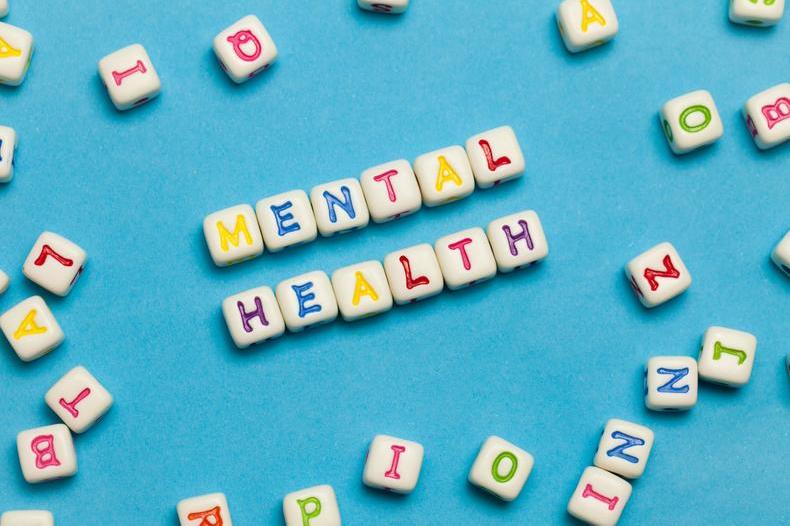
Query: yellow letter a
point(233, 238)
point(28, 327)
point(590, 15)
point(363, 288)
point(446, 173)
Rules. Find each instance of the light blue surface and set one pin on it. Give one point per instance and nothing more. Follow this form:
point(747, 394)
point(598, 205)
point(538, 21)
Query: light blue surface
point(542, 357)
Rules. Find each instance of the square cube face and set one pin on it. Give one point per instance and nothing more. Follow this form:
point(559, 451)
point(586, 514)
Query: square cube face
point(78, 399)
point(130, 77)
point(27, 518)
point(768, 116)
point(46, 453)
point(391, 7)
point(361, 290)
point(781, 254)
point(55, 263)
point(691, 121)
point(586, 23)
point(253, 316)
point(495, 156)
point(599, 498)
point(393, 464)
point(339, 207)
point(444, 175)
point(413, 273)
point(233, 235)
point(501, 468)
point(727, 356)
point(315, 506)
point(7, 150)
point(624, 448)
point(31, 329)
point(759, 13)
point(245, 49)
point(206, 510)
point(517, 240)
point(286, 219)
point(391, 190)
point(465, 258)
point(671, 383)
point(16, 50)
point(658, 275)
point(307, 300)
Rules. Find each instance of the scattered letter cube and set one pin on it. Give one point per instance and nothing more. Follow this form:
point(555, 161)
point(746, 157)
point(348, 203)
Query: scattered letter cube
point(393, 464)
point(670, 383)
point(444, 175)
point(757, 12)
point(286, 219)
point(768, 116)
point(691, 121)
point(391, 190)
point(392, 7)
point(253, 316)
point(727, 356)
point(495, 156)
point(3, 281)
point(599, 498)
point(316, 506)
point(586, 23)
point(206, 510)
point(27, 518)
point(361, 290)
point(233, 235)
point(465, 258)
point(624, 448)
point(7, 150)
point(413, 273)
point(307, 300)
point(130, 77)
point(245, 49)
point(781, 254)
point(16, 50)
point(46, 453)
point(658, 275)
point(501, 468)
point(339, 207)
point(78, 399)
point(54, 263)
point(517, 240)
point(31, 329)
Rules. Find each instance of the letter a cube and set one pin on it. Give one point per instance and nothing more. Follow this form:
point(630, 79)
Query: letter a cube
point(206, 510)
point(658, 275)
point(31, 329)
point(46, 453)
point(316, 506)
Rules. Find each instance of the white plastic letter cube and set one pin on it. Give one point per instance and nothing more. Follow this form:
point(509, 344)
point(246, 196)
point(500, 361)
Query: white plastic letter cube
point(31, 329)
point(624, 448)
point(727, 356)
point(586, 23)
point(413, 273)
point(391, 190)
point(444, 175)
point(517, 240)
point(16, 50)
point(658, 275)
point(691, 121)
point(762, 13)
point(307, 300)
point(781, 254)
point(671, 383)
point(392, 7)
point(3, 281)
point(78, 399)
point(3, 12)
point(465, 258)
point(599, 498)
point(245, 49)
point(233, 235)
point(286, 219)
point(339, 207)
point(206, 510)
point(316, 506)
point(495, 156)
point(361, 290)
point(767, 116)
point(130, 77)
point(253, 316)
point(393, 464)
point(7, 151)
point(46, 453)
point(55, 263)
point(501, 468)
point(27, 518)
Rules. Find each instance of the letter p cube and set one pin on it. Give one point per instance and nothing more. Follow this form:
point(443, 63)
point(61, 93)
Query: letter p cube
point(316, 506)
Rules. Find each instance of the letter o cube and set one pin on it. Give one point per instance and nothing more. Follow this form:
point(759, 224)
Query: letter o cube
point(444, 175)
point(393, 464)
point(517, 240)
point(27, 518)
point(599, 498)
point(691, 121)
point(206, 510)
point(245, 49)
point(391, 190)
point(130, 77)
point(495, 156)
point(727, 356)
point(46, 453)
point(307, 300)
point(316, 506)
point(361, 290)
point(767, 116)
point(465, 258)
point(413, 273)
point(501, 468)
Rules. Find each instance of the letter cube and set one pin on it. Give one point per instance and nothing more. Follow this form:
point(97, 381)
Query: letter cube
point(307, 300)
point(3, 281)
point(391, 190)
point(658, 275)
point(27, 518)
point(670, 383)
point(691, 121)
point(233, 235)
point(46, 453)
point(392, 7)
point(78, 399)
point(495, 156)
point(413, 273)
point(361, 290)
point(393, 464)
point(599, 498)
point(586, 23)
point(767, 116)
point(54, 263)
point(286, 219)
point(16, 50)
point(501, 468)
point(3, 12)
point(727, 356)
point(444, 175)
point(781, 254)
point(465, 258)
point(253, 316)
point(624, 448)
point(517, 240)
point(130, 77)
point(339, 207)
point(762, 13)
point(316, 506)
point(206, 510)
point(245, 49)
point(7, 151)
point(31, 329)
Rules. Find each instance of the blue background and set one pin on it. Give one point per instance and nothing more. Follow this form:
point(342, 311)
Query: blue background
point(542, 357)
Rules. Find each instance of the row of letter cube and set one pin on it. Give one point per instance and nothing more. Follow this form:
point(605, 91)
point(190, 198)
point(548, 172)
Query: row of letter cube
point(384, 192)
point(368, 288)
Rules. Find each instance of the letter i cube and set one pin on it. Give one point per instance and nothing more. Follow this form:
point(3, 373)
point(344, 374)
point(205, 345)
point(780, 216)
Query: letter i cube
point(670, 383)
point(27, 517)
point(78, 399)
point(316, 506)
point(54, 263)
point(253, 316)
point(391, 7)
point(761, 13)
point(624, 448)
point(501, 468)
point(658, 275)
point(7, 151)
point(599, 498)
point(245, 49)
point(465, 258)
point(691, 121)
point(781, 254)
point(46, 453)
point(495, 156)
point(586, 23)
point(206, 510)
point(517, 240)
point(31, 329)
point(767, 116)
point(727, 356)
point(130, 77)
point(16, 50)
point(233, 235)
point(391, 190)
point(393, 464)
